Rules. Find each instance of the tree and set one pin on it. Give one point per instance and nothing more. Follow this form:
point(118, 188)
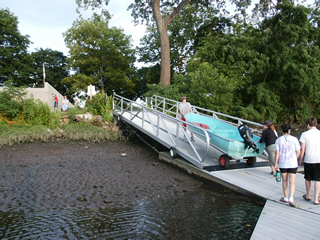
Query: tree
point(291, 45)
point(210, 89)
point(163, 14)
point(55, 69)
point(186, 32)
point(274, 65)
point(101, 56)
point(15, 62)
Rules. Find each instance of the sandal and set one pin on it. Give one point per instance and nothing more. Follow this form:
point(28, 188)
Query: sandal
point(292, 204)
point(282, 200)
point(305, 198)
point(316, 203)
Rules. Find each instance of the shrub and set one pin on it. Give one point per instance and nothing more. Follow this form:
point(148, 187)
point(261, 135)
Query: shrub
point(98, 104)
point(11, 100)
point(35, 112)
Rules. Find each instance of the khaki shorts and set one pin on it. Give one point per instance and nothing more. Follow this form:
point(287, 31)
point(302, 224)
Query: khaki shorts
point(271, 154)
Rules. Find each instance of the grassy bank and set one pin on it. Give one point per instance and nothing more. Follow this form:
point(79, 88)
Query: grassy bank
point(16, 133)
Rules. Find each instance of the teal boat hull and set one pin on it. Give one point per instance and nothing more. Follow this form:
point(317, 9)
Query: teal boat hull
point(224, 136)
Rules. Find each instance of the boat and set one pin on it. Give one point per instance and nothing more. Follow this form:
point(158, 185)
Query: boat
point(235, 142)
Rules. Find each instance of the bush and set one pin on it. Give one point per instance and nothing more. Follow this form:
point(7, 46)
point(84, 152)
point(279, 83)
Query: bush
point(11, 101)
point(35, 112)
point(98, 104)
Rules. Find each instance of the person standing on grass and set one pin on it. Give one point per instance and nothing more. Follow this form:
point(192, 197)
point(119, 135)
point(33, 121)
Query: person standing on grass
point(185, 108)
point(269, 136)
point(287, 151)
point(310, 158)
point(55, 102)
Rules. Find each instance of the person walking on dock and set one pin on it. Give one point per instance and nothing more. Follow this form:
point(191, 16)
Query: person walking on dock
point(310, 158)
point(269, 136)
point(287, 152)
point(185, 108)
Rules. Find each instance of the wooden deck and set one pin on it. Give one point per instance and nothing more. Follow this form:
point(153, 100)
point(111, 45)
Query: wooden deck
point(277, 220)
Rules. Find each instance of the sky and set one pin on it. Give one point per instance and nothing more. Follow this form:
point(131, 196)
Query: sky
point(45, 21)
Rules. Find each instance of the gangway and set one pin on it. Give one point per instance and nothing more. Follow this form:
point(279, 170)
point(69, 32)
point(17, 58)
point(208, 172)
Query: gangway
point(159, 118)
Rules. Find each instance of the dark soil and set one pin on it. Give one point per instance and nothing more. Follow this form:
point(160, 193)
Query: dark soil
point(68, 174)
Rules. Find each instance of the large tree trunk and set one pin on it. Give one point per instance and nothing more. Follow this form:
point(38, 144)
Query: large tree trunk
point(162, 25)
point(164, 43)
point(165, 56)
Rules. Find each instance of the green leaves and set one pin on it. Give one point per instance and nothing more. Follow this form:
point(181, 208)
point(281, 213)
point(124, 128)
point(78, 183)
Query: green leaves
point(100, 55)
point(210, 89)
point(15, 62)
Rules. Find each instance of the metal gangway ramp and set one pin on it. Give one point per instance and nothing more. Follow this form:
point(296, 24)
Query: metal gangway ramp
point(159, 118)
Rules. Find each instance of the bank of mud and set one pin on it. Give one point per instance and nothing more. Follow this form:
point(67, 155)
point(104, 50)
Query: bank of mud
point(71, 174)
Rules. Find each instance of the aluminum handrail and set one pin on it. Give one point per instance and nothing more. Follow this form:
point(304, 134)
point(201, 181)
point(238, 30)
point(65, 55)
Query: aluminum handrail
point(199, 110)
point(160, 118)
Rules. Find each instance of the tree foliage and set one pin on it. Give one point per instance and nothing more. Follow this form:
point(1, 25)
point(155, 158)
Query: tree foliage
point(55, 69)
point(11, 100)
point(101, 56)
point(15, 62)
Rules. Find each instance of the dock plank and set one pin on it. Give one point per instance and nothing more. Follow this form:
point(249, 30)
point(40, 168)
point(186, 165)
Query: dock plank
point(278, 221)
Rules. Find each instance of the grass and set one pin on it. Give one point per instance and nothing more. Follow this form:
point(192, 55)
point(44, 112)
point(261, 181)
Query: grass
point(12, 134)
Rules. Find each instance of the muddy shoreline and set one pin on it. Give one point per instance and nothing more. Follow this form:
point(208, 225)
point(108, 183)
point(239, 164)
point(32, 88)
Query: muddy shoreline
point(70, 174)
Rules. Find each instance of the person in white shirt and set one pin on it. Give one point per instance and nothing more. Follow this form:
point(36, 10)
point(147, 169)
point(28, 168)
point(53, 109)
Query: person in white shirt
point(287, 151)
point(185, 108)
point(310, 158)
point(65, 104)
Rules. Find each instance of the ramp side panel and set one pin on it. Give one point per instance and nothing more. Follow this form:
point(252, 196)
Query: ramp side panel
point(160, 133)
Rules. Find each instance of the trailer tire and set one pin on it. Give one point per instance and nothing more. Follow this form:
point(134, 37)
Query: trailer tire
point(251, 161)
point(173, 152)
point(224, 161)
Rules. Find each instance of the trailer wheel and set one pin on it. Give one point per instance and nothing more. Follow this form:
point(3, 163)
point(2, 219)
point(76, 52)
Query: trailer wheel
point(224, 161)
point(251, 161)
point(173, 152)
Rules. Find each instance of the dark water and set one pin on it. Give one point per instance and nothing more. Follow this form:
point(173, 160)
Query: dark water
point(205, 214)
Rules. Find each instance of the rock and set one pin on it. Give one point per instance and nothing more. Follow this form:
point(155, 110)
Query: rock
point(178, 180)
point(82, 199)
point(123, 154)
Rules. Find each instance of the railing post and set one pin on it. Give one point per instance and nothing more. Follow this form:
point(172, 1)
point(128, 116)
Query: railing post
point(143, 117)
point(178, 109)
point(121, 105)
point(158, 125)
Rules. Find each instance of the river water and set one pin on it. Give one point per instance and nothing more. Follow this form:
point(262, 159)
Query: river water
point(205, 214)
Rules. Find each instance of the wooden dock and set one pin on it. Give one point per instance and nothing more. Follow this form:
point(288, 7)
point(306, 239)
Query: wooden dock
point(277, 220)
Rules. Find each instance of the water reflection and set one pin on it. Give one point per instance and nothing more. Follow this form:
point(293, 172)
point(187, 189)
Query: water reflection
point(204, 214)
